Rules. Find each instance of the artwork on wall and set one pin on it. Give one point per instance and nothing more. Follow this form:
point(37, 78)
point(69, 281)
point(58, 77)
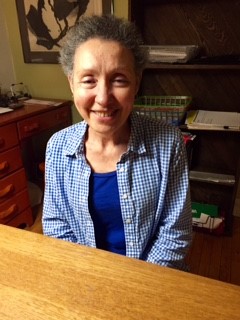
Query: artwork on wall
point(43, 24)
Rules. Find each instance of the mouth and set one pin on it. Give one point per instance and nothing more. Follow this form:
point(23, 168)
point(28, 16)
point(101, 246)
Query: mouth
point(104, 114)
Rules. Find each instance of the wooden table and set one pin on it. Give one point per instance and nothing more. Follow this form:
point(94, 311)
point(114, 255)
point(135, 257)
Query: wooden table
point(45, 278)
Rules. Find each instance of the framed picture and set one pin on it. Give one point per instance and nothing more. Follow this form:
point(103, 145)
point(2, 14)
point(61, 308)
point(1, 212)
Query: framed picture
point(43, 24)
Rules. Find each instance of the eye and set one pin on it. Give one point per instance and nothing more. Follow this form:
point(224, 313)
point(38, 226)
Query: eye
point(120, 81)
point(88, 82)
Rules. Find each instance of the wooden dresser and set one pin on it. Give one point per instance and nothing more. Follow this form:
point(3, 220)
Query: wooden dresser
point(17, 129)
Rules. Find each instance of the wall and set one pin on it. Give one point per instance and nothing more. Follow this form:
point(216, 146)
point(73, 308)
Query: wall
point(7, 73)
point(42, 80)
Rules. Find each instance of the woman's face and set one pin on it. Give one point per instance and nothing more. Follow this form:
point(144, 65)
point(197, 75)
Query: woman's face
point(104, 84)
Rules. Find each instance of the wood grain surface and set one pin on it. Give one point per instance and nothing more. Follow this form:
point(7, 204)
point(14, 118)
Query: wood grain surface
point(45, 278)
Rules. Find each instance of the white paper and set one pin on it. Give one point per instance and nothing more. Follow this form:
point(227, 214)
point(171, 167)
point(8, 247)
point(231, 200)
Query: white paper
point(218, 118)
point(205, 221)
point(42, 102)
point(5, 110)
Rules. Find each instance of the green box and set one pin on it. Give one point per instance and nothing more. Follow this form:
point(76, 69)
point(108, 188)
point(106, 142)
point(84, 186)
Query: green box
point(209, 209)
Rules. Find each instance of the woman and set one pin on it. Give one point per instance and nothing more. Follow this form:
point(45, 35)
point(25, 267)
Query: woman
point(117, 181)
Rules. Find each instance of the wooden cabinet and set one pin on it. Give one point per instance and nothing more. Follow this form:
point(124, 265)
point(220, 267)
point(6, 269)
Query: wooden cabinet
point(8, 136)
point(13, 188)
point(17, 130)
point(10, 160)
point(213, 81)
point(42, 122)
point(12, 184)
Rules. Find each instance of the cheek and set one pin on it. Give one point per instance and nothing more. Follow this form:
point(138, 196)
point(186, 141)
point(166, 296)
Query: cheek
point(127, 98)
point(81, 95)
point(82, 101)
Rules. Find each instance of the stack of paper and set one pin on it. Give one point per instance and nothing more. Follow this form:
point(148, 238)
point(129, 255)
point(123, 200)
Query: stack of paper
point(213, 120)
point(172, 53)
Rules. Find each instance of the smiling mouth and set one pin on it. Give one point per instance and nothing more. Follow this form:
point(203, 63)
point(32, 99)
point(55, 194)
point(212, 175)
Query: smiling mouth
point(104, 114)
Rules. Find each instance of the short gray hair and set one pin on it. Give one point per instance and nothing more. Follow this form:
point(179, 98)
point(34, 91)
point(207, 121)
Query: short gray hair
point(106, 27)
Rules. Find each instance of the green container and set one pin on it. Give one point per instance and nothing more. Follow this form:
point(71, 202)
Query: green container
point(209, 209)
point(171, 109)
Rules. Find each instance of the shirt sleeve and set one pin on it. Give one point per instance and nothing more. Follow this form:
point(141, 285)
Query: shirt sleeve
point(173, 236)
point(54, 220)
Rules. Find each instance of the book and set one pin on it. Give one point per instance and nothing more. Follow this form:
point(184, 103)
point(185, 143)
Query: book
point(213, 120)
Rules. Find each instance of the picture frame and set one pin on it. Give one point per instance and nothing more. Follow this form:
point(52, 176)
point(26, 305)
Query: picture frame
point(43, 25)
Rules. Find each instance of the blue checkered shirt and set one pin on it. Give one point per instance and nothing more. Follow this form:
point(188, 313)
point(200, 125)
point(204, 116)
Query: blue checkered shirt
point(153, 187)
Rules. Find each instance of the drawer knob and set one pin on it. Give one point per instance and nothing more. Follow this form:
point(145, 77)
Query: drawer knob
point(4, 166)
point(6, 191)
point(11, 210)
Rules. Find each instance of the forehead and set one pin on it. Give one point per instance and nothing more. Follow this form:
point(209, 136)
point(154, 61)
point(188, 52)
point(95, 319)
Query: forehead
point(104, 49)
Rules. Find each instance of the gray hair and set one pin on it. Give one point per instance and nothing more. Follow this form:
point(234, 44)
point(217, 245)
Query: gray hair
point(106, 27)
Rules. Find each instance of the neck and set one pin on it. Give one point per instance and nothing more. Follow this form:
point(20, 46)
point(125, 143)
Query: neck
point(103, 152)
point(105, 141)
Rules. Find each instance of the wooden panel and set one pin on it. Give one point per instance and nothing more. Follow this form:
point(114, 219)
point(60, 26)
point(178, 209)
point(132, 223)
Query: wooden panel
point(8, 136)
point(29, 110)
point(22, 220)
point(10, 161)
point(37, 124)
point(217, 152)
point(14, 206)
point(12, 184)
point(213, 25)
point(211, 90)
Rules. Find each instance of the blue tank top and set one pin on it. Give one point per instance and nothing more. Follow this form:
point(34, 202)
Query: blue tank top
point(105, 210)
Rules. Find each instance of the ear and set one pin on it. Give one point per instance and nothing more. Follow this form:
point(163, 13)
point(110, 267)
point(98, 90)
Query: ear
point(138, 82)
point(70, 81)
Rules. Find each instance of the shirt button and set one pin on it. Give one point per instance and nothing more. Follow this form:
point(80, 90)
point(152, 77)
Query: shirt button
point(128, 221)
point(125, 196)
point(121, 170)
point(131, 244)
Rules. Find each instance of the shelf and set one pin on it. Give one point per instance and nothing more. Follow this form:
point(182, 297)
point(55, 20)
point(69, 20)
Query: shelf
point(222, 129)
point(211, 79)
point(210, 177)
point(216, 67)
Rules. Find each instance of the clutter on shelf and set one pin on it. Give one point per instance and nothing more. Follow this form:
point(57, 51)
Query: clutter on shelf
point(172, 53)
point(208, 218)
point(15, 96)
point(171, 109)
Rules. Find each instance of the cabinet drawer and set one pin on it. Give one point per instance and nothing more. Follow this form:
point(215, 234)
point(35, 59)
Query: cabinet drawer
point(10, 161)
point(36, 124)
point(12, 184)
point(23, 219)
point(8, 137)
point(11, 208)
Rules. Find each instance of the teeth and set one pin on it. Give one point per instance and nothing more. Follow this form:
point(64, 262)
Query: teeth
point(103, 114)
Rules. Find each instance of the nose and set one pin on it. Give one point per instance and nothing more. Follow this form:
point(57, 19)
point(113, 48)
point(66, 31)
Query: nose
point(103, 93)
